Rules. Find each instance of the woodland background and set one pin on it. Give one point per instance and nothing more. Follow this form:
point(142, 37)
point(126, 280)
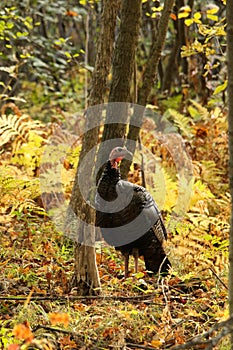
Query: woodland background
point(47, 56)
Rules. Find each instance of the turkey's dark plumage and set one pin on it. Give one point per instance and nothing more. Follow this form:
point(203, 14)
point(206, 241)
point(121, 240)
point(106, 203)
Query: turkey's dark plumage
point(130, 220)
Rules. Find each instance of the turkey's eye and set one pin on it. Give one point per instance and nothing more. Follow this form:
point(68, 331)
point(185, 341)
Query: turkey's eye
point(119, 149)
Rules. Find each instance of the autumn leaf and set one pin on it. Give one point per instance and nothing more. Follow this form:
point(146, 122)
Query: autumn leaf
point(173, 16)
point(71, 13)
point(110, 331)
point(80, 307)
point(157, 343)
point(213, 10)
point(212, 17)
point(188, 22)
point(13, 347)
point(56, 318)
point(23, 332)
point(197, 16)
point(184, 12)
point(67, 343)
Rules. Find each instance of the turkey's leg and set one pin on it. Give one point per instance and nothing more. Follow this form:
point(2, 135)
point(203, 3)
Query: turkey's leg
point(126, 255)
point(135, 253)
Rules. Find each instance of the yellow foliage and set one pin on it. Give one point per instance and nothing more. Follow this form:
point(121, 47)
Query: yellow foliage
point(15, 129)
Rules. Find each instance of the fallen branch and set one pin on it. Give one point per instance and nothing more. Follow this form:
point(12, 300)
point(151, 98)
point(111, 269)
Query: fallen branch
point(137, 346)
point(137, 298)
point(218, 278)
point(227, 327)
point(53, 329)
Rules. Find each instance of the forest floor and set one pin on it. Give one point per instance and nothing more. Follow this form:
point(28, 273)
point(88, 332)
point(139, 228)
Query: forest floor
point(140, 312)
point(186, 310)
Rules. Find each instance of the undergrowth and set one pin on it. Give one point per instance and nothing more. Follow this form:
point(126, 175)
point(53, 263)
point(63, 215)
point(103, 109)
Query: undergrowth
point(37, 260)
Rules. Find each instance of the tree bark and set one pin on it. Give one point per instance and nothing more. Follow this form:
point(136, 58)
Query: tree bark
point(81, 216)
point(124, 56)
point(104, 52)
point(123, 65)
point(229, 16)
point(148, 80)
point(180, 39)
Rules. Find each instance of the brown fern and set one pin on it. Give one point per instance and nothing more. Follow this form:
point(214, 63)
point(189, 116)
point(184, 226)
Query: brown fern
point(14, 130)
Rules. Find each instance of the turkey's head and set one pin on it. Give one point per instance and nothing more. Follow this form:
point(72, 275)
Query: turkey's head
point(117, 154)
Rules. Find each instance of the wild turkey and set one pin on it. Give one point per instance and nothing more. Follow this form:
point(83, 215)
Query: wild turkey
point(129, 218)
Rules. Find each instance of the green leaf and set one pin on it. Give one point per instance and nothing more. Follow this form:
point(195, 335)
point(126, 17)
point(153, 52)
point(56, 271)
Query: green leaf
point(220, 88)
point(27, 55)
point(139, 275)
point(20, 34)
point(68, 55)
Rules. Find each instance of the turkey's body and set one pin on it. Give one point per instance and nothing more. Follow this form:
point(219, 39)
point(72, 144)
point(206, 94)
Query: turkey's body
point(130, 220)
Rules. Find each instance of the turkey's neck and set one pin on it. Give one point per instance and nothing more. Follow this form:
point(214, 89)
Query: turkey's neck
point(108, 181)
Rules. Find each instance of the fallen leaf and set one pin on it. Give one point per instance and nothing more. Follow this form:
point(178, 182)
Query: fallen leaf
point(23, 332)
point(56, 318)
point(157, 343)
point(13, 347)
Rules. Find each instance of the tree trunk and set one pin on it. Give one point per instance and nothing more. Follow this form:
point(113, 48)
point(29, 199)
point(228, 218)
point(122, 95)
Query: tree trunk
point(123, 65)
point(172, 65)
point(104, 52)
point(81, 216)
point(229, 15)
point(124, 56)
point(148, 80)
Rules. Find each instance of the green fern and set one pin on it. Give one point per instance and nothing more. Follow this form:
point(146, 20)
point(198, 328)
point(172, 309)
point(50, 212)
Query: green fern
point(16, 129)
point(16, 194)
point(212, 175)
point(183, 123)
point(202, 111)
point(210, 172)
point(29, 154)
point(200, 196)
point(163, 189)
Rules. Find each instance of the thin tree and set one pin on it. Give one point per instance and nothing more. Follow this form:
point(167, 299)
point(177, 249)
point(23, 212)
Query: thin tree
point(149, 76)
point(86, 277)
point(122, 72)
point(229, 16)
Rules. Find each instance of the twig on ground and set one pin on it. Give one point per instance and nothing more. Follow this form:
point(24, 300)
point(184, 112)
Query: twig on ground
point(227, 327)
point(53, 329)
point(137, 346)
point(218, 278)
point(135, 298)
